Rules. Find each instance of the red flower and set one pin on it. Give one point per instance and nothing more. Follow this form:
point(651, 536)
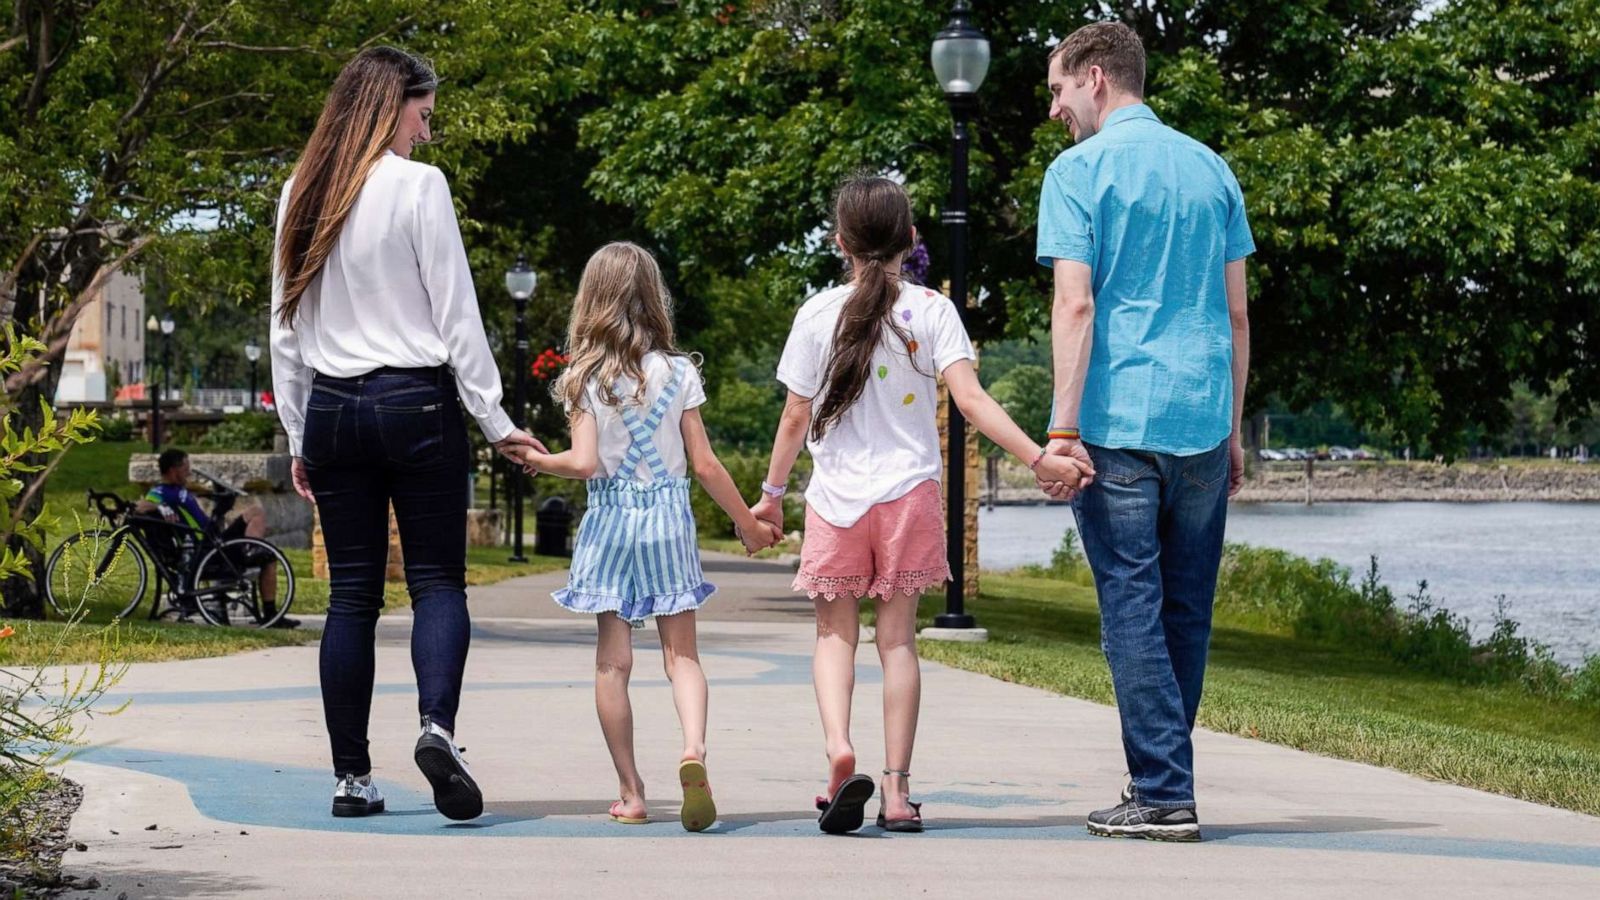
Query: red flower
point(548, 363)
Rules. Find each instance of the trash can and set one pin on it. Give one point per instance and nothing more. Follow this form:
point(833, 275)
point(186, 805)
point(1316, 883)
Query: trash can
point(552, 526)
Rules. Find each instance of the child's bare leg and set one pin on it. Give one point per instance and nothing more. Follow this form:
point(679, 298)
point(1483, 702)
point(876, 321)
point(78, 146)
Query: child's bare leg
point(902, 697)
point(613, 663)
point(681, 656)
point(833, 672)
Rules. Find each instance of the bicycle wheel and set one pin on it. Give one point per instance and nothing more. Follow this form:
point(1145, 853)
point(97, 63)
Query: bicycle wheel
point(245, 582)
point(98, 574)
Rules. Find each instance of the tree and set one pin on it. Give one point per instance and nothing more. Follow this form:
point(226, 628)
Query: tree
point(1422, 185)
point(133, 134)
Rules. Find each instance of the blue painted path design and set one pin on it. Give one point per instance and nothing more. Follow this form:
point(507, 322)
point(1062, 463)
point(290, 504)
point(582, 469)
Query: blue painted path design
point(297, 797)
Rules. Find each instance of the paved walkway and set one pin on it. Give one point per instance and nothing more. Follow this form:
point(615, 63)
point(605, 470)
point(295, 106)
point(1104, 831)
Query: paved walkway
point(214, 782)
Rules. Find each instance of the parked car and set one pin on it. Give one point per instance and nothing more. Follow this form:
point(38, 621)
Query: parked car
point(1341, 453)
point(1271, 455)
point(1294, 453)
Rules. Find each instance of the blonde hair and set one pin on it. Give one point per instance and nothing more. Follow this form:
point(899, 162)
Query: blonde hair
point(622, 312)
point(358, 122)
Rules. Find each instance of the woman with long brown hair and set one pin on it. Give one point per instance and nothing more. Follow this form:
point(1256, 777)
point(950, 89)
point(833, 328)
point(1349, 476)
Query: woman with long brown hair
point(377, 345)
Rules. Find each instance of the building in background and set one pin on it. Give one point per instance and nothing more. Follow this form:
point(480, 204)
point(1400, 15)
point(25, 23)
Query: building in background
point(106, 347)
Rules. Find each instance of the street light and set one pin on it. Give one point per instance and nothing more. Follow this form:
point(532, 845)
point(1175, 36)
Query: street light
point(167, 327)
point(252, 352)
point(520, 284)
point(960, 61)
point(154, 328)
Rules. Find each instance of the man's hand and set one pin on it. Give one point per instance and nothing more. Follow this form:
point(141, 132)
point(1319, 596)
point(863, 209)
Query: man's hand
point(1235, 465)
point(1075, 451)
point(302, 482)
point(1055, 469)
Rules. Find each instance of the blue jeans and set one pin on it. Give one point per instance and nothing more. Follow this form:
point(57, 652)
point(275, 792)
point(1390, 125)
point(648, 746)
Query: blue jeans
point(1152, 527)
point(392, 436)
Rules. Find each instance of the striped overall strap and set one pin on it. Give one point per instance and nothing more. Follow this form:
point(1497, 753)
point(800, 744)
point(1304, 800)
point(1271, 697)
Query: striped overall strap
point(643, 430)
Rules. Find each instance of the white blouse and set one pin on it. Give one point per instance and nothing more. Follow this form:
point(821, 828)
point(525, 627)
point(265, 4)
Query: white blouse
point(396, 291)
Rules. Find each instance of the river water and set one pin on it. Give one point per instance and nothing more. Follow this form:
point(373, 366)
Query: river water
point(1543, 557)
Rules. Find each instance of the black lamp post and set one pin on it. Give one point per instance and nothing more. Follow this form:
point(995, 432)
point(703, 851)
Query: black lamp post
point(960, 61)
point(252, 352)
point(520, 284)
point(153, 328)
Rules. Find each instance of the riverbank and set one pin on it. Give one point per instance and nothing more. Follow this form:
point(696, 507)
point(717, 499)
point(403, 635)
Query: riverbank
point(1266, 683)
point(1381, 482)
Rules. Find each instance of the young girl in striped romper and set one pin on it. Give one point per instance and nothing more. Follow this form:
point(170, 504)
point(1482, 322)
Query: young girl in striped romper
point(633, 401)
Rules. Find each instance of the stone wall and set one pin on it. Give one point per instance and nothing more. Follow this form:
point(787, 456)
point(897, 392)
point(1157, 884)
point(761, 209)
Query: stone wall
point(1392, 481)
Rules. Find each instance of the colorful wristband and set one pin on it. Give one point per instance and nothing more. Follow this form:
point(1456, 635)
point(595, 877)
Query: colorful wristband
point(1064, 434)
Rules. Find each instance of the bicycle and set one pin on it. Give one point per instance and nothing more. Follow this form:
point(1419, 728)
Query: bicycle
point(107, 569)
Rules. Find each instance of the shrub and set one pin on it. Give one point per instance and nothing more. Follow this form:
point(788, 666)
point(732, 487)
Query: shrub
point(245, 432)
point(41, 707)
point(117, 429)
point(748, 470)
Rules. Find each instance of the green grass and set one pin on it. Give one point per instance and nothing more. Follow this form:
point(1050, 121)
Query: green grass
point(61, 643)
point(1332, 701)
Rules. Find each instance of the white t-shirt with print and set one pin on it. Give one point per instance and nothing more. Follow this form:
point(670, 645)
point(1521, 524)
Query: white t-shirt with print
point(615, 439)
point(888, 442)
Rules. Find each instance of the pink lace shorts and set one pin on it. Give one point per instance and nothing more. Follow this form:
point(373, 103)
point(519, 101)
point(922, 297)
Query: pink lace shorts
point(896, 548)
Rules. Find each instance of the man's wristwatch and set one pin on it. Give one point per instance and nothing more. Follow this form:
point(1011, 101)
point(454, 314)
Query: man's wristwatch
point(776, 492)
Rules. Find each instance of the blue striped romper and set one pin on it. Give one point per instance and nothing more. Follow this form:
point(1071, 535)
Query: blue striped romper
point(636, 553)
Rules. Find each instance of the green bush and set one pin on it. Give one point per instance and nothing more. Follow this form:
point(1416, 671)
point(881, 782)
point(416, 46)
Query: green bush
point(748, 470)
point(42, 705)
point(116, 428)
point(1316, 601)
point(244, 432)
point(1585, 685)
point(1066, 562)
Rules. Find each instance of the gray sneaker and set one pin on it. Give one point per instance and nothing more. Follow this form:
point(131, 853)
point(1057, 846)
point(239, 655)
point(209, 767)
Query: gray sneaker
point(455, 794)
point(1130, 819)
point(356, 797)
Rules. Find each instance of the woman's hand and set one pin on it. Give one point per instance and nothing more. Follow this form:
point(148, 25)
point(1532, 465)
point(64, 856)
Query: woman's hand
point(302, 481)
point(509, 445)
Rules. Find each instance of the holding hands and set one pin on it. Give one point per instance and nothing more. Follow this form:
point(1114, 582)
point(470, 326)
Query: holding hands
point(1065, 469)
point(768, 515)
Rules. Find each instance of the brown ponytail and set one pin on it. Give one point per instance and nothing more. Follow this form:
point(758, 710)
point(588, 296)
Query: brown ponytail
point(874, 220)
point(358, 123)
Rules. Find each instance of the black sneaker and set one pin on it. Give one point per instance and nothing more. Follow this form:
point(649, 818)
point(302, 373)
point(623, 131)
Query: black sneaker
point(1129, 819)
point(455, 794)
point(356, 797)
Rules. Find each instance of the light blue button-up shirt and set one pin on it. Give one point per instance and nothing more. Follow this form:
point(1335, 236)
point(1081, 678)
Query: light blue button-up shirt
point(1156, 215)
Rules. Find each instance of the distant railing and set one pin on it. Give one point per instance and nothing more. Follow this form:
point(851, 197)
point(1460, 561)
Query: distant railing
point(219, 398)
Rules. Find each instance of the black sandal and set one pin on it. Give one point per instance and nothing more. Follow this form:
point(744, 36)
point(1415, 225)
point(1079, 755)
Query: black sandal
point(912, 825)
point(847, 810)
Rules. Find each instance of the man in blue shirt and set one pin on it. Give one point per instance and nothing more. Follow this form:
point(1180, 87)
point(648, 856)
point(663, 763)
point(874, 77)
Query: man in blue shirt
point(1144, 230)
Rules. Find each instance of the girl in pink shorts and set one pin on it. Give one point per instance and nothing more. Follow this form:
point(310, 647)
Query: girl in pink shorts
point(861, 364)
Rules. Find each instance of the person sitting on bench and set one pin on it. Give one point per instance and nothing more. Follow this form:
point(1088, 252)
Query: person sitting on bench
point(172, 500)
